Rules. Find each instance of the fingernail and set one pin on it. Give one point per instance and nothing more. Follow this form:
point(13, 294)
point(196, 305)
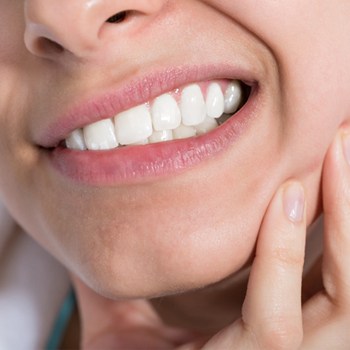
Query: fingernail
point(294, 202)
point(346, 146)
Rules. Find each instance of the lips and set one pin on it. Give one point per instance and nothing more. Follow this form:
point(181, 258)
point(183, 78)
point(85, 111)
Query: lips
point(139, 163)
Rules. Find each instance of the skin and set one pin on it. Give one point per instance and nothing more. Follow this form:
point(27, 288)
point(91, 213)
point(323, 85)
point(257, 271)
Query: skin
point(140, 244)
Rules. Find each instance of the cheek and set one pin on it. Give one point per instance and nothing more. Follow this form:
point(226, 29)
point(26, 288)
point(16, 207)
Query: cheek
point(11, 31)
point(312, 52)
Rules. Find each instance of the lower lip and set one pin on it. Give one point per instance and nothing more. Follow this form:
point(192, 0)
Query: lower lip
point(138, 164)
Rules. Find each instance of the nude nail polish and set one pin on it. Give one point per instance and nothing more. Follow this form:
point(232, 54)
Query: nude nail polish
point(294, 202)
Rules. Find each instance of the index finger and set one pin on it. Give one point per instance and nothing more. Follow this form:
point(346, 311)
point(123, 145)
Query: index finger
point(272, 308)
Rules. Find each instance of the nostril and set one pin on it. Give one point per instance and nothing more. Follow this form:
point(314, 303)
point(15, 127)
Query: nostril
point(48, 46)
point(118, 17)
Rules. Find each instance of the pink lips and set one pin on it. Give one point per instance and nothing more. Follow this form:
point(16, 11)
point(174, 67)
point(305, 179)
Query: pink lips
point(135, 164)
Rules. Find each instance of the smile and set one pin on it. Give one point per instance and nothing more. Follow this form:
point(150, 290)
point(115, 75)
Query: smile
point(153, 127)
point(188, 112)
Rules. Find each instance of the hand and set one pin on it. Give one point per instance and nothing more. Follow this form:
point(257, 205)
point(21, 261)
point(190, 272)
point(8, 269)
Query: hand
point(273, 316)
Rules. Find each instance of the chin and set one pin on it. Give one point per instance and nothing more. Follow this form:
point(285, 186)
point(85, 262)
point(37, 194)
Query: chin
point(167, 261)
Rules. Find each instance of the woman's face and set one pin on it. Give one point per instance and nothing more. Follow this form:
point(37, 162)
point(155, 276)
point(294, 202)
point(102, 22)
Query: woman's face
point(156, 219)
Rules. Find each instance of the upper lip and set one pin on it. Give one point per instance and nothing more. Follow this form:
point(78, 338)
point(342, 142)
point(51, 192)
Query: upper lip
point(133, 92)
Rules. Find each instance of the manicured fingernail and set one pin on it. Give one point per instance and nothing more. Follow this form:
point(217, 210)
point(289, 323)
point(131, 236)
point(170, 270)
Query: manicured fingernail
point(294, 202)
point(346, 146)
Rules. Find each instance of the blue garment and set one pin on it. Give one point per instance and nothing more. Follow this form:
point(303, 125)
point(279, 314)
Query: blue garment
point(62, 321)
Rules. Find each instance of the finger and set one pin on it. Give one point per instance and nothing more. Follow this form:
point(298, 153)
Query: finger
point(272, 309)
point(336, 198)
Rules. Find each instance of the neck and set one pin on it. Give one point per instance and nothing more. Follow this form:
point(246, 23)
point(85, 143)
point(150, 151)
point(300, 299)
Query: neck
point(205, 310)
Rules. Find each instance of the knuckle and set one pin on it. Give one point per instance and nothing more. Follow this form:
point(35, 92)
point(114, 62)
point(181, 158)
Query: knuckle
point(288, 256)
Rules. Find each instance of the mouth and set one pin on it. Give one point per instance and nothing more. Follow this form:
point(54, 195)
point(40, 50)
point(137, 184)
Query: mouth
point(191, 111)
point(161, 136)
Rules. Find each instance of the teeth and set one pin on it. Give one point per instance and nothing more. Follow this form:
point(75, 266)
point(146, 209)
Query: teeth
point(161, 136)
point(184, 131)
point(76, 140)
point(165, 119)
point(193, 108)
point(134, 125)
point(215, 101)
point(142, 142)
point(209, 124)
point(166, 114)
point(233, 97)
point(100, 135)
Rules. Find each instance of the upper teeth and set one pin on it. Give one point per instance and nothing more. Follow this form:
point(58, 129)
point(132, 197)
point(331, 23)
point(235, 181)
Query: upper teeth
point(162, 120)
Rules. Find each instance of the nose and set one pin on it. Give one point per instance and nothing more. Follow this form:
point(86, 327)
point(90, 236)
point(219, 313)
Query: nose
point(81, 26)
